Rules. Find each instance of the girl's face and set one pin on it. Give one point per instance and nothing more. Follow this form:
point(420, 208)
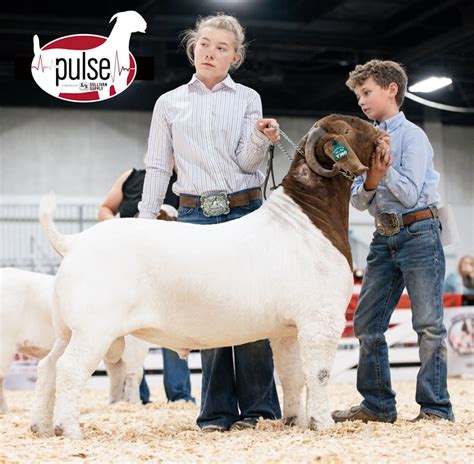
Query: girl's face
point(214, 52)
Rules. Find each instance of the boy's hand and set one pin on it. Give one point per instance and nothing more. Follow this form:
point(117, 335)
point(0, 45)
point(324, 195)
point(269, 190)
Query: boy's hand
point(381, 161)
point(270, 128)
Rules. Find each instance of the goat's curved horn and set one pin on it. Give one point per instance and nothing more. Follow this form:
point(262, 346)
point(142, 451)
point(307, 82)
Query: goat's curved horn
point(311, 158)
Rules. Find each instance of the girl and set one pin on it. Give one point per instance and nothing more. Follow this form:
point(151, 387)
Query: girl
point(212, 129)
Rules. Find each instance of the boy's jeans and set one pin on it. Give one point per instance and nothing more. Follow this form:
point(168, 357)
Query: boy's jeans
point(252, 387)
point(413, 258)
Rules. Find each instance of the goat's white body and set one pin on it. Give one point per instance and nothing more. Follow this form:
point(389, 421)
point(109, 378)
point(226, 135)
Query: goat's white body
point(271, 274)
point(26, 327)
point(25, 318)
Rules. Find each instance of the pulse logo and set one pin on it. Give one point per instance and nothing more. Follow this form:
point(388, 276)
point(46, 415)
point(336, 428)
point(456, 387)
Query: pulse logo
point(86, 68)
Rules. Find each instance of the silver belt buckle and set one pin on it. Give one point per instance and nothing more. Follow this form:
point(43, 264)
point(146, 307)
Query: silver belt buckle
point(215, 204)
point(387, 224)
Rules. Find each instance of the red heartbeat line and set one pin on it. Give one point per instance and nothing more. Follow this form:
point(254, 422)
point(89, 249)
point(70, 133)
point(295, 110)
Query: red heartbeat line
point(121, 69)
point(117, 67)
point(40, 65)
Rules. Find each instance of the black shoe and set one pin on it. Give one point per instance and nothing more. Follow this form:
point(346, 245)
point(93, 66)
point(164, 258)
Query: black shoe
point(356, 413)
point(214, 428)
point(431, 417)
point(245, 424)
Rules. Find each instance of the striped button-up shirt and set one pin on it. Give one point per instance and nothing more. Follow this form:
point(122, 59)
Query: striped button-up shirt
point(411, 182)
point(211, 137)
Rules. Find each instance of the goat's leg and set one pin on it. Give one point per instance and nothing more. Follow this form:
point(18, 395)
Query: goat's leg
point(134, 358)
point(43, 403)
point(317, 354)
point(76, 365)
point(6, 357)
point(288, 366)
point(117, 375)
point(3, 403)
point(131, 392)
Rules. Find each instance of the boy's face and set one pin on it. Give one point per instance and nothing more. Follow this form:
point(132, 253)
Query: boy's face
point(376, 102)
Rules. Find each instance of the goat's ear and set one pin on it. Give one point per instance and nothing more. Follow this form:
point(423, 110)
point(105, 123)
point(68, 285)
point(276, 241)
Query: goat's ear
point(115, 16)
point(338, 148)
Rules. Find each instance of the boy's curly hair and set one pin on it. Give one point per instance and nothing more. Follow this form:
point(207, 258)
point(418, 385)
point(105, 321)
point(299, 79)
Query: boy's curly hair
point(383, 73)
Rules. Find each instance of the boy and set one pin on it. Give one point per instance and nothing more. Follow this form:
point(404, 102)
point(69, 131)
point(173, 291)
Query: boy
point(401, 191)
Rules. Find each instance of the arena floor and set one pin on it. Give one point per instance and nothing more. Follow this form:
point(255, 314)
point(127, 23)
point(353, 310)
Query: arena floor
point(161, 432)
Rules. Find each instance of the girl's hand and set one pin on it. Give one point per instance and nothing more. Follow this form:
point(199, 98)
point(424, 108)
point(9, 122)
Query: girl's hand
point(270, 128)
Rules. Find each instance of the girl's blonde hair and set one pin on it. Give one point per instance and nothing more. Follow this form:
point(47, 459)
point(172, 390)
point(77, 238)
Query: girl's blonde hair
point(219, 21)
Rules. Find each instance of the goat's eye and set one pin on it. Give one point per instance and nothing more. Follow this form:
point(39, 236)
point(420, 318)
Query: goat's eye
point(346, 131)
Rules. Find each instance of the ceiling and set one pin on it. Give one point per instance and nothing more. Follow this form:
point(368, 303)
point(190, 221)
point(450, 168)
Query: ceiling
point(299, 55)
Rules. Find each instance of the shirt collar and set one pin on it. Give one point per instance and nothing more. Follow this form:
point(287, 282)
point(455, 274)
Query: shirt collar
point(227, 82)
point(392, 123)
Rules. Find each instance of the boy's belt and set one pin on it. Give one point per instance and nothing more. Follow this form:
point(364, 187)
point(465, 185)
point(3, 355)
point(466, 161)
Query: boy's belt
point(233, 200)
point(390, 223)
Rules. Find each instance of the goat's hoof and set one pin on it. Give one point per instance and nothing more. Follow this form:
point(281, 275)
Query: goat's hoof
point(74, 433)
point(41, 431)
point(319, 425)
point(290, 421)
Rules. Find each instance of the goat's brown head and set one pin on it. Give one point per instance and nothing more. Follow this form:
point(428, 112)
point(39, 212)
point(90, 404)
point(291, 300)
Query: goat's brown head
point(339, 142)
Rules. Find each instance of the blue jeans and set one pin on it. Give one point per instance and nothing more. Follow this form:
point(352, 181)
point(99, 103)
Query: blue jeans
point(240, 376)
point(413, 258)
point(144, 390)
point(176, 377)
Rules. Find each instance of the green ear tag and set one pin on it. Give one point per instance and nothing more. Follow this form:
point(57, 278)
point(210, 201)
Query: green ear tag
point(339, 151)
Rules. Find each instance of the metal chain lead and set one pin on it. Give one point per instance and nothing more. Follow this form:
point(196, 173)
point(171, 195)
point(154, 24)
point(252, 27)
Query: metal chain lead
point(293, 144)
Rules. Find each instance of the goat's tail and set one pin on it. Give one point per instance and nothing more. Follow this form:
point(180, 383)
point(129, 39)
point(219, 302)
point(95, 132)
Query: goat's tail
point(36, 45)
point(61, 243)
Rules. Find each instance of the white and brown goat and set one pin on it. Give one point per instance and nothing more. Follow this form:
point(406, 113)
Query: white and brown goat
point(283, 272)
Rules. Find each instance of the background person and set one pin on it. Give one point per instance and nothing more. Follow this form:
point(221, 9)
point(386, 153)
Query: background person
point(461, 281)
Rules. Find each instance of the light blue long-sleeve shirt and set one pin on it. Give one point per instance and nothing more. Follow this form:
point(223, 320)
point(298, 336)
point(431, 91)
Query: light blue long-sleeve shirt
point(411, 182)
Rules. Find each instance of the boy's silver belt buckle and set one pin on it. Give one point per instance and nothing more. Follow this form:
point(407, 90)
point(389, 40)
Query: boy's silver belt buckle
point(215, 204)
point(387, 224)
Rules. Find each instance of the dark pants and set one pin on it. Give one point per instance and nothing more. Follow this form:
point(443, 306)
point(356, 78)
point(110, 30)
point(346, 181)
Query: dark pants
point(144, 390)
point(238, 382)
point(176, 379)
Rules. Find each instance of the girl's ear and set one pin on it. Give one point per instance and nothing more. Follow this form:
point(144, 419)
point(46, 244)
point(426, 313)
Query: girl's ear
point(236, 58)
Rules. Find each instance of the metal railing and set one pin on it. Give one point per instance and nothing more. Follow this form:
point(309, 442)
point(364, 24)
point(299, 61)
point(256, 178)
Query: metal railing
point(23, 243)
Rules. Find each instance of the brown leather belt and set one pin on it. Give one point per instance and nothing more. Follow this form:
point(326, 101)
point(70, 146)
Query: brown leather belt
point(408, 218)
point(235, 200)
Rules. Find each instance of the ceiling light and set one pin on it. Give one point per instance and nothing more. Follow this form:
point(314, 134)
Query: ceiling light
point(430, 85)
